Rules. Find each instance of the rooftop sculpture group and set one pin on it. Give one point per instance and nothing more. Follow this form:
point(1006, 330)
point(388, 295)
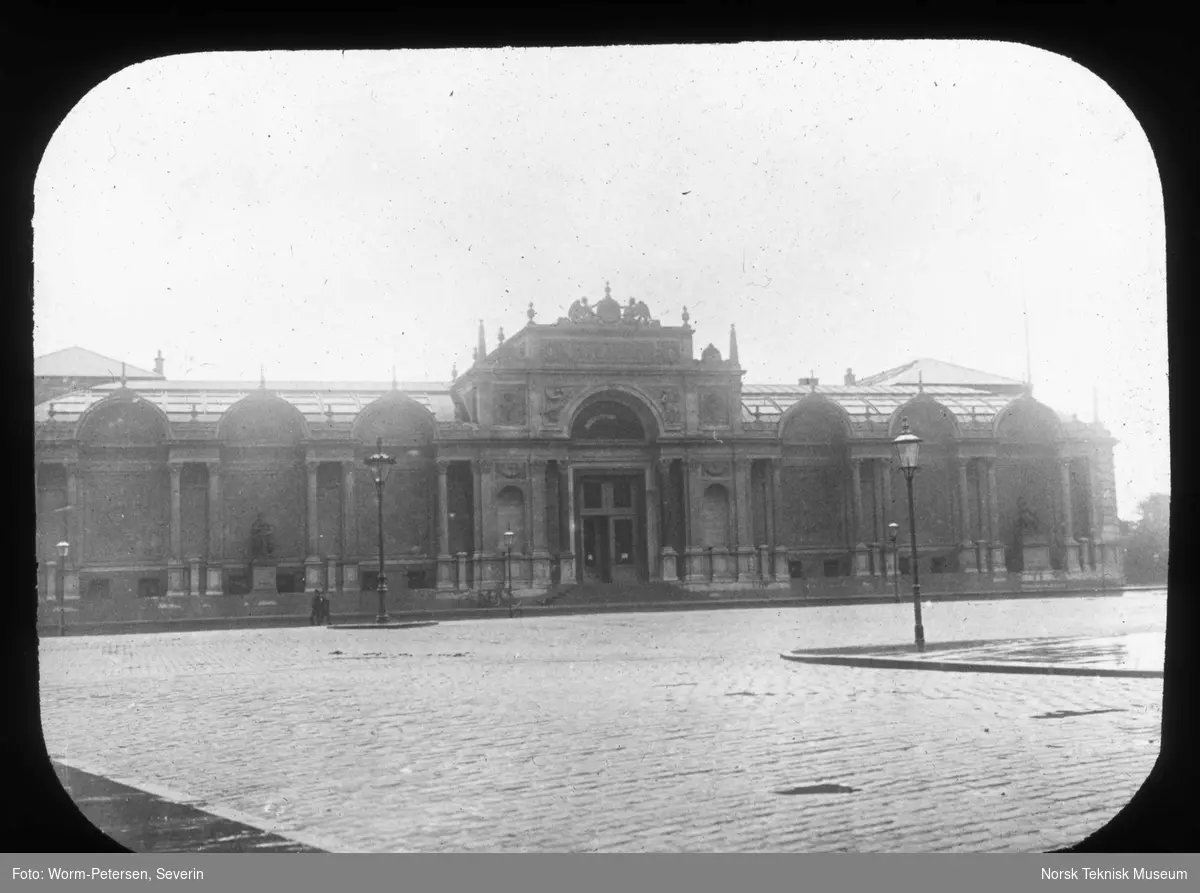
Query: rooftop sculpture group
point(607, 311)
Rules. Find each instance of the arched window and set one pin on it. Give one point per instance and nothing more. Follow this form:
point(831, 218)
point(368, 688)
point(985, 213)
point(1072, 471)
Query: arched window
point(608, 420)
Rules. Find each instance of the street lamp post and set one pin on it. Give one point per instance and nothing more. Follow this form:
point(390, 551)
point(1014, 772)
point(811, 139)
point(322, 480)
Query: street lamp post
point(380, 464)
point(508, 541)
point(893, 531)
point(63, 547)
point(907, 448)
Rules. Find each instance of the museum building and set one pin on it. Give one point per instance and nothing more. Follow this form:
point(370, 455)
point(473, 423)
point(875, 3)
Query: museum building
point(611, 453)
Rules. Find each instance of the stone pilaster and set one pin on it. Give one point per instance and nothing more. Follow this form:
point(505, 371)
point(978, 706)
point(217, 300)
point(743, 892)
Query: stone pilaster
point(568, 573)
point(967, 559)
point(194, 578)
point(349, 529)
point(445, 562)
point(653, 513)
point(539, 571)
point(214, 584)
point(1068, 521)
point(999, 571)
point(175, 567)
point(694, 557)
point(312, 561)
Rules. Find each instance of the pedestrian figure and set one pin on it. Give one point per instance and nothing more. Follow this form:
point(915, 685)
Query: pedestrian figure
point(317, 614)
point(325, 607)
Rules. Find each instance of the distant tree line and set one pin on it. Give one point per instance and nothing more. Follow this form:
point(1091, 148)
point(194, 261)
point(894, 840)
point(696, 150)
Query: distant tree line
point(1148, 541)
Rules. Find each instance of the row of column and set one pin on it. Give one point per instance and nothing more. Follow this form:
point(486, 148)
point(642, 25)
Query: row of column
point(216, 545)
point(974, 554)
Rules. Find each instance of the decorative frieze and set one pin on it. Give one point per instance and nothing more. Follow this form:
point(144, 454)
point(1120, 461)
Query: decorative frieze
point(612, 353)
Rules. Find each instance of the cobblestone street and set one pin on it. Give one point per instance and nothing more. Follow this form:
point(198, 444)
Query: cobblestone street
point(648, 732)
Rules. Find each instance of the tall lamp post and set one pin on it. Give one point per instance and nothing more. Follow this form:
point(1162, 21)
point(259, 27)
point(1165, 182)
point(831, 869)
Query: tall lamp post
point(893, 531)
point(508, 541)
point(907, 448)
point(380, 464)
point(63, 547)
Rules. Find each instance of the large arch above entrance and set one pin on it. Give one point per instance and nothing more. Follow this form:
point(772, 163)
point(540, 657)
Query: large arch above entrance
point(615, 409)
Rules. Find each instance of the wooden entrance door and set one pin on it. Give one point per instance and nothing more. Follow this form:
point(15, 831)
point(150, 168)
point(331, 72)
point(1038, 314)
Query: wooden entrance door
point(611, 529)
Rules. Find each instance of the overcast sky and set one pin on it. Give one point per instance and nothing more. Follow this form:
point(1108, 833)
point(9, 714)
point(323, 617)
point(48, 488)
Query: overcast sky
point(855, 204)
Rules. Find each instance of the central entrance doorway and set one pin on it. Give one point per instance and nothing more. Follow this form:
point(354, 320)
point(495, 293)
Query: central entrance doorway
point(612, 528)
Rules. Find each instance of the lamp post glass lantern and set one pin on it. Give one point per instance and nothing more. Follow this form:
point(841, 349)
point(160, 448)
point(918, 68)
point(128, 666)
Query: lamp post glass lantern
point(509, 536)
point(907, 451)
point(63, 548)
point(893, 532)
point(381, 465)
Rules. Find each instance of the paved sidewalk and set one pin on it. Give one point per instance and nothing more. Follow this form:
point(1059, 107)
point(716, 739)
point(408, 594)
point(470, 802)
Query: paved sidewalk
point(1130, 655)
point(647, 732)
point(428, 613)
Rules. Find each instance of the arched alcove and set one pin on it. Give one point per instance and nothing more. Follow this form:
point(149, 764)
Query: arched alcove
point(408, 431)
point(510, 516)
point(123, 420)
point(935, 485)
point(124, 484)
point(399, 420)
point(262, 419)
point(815, 434)
point(1028, 482)
point(263, 473)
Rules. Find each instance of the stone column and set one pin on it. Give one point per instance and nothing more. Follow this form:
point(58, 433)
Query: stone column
point(540, 555)
point(859, 559)
point(214, 582)
point(175, 568)
point(567, 569)
point(967, 558)
point(997, 549)
point(669, 572)
point(653, 510)
point(1070, 547)
point(782, 573)
point(694, 571)
point(312, 561)
point(477, 524)
point(349, 529)
point(745, 519)
point(445, 562)
point(74, 535)
point(490, 547)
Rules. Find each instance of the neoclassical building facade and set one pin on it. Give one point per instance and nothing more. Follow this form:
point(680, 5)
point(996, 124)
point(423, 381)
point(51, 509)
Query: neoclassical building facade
point(612, 453)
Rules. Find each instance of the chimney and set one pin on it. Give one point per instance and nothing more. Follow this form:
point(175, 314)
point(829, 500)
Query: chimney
point(849, 380)
point(733, 346)
point(481, 349)
point(158, 364)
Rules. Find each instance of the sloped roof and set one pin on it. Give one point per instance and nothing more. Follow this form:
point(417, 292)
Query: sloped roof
point(79, 362)
point(938, 372)
point(316, 400)
point(867, 403)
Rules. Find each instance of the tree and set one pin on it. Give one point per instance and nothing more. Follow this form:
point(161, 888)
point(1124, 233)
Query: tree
point(1148, 548)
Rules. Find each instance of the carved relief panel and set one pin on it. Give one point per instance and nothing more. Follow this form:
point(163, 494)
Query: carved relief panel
point(553, 401)
point(670, 404)
point(714, 409)
point(509, 406)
